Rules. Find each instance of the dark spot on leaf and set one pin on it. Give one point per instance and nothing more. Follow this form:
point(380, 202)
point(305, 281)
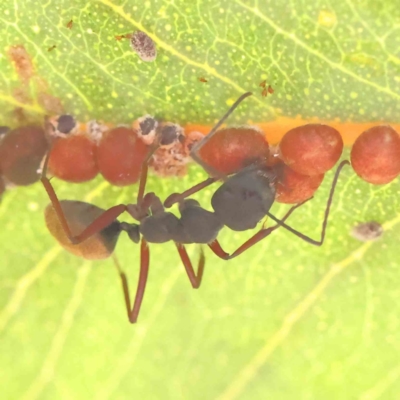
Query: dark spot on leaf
point(144, 46)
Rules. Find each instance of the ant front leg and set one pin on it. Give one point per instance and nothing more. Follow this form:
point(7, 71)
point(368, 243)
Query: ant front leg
point(195, 279)
point(260, 235)
point(133, 311)
point(100, 223)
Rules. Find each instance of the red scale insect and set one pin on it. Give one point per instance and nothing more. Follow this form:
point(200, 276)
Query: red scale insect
point(21, 152)
point(311, 149)
point(375, 155)
point(120, 156)
point(292, 187)
point(73, 153)
point(242, 146)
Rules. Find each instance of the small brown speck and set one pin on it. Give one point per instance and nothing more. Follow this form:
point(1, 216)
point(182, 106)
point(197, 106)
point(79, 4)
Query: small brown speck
point(264, 92)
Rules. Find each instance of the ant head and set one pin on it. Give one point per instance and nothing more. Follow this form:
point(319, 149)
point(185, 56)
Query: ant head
point(79, 215)
point(245, 198)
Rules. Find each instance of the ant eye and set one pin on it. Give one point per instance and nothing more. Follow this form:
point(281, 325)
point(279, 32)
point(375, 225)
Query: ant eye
point(21, 151)
point(66, 123)
point(120, 156)
point(375, 155)
point(144, 46)
point(311, 149)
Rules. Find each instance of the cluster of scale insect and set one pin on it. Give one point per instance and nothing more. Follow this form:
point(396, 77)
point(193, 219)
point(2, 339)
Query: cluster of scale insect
point(80, 151)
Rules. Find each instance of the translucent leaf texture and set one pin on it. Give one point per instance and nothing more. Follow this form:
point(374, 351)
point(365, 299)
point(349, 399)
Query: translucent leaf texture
point(283, 321)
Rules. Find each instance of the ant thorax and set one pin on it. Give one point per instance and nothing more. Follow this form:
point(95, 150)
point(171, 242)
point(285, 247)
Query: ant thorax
point(245, 198)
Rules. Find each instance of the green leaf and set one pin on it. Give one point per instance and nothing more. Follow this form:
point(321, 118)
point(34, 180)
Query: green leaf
point(285, 320)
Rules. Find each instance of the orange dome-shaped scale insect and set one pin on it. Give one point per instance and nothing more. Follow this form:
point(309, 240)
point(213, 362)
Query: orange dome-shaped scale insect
point(21, 151)
point(120, 156)
point(73, 153)
point(311, 149)
point(292, 187)
point(246, 196)
point(375, 155)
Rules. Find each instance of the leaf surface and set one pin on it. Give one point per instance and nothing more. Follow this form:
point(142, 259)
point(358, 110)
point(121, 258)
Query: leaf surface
point(283, 321)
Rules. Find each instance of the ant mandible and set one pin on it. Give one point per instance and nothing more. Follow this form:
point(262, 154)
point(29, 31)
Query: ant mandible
point(245, 196)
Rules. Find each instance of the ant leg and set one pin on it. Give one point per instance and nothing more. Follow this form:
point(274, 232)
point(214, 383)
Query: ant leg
point(144, 173)
point(263, 233)
point(195, 280)
point(199, 145)
point(142, 182)
point(177, 197)
point(133, 312)
point(96, 226)
point(327, 210)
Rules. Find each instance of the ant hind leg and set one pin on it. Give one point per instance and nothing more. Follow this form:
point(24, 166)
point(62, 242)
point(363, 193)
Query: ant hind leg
point(195, 279)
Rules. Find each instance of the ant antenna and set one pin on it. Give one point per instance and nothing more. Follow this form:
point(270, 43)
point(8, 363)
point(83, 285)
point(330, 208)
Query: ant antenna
point(198, 145)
